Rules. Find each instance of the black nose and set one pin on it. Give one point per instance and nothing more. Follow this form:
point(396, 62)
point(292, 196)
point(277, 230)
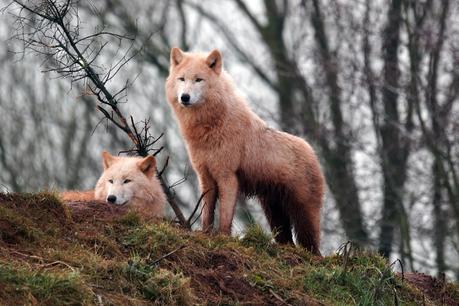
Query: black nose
point(185, 98)
point(111, 198)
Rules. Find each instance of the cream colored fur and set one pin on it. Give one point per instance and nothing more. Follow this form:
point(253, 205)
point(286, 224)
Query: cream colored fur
point(132, 180)
point(232, 150)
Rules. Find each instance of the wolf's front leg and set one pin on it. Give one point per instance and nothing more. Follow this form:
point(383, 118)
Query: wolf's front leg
point(209, 187)
point(228, 187)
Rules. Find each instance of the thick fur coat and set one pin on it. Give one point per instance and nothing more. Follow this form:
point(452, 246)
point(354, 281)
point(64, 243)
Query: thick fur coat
point(127, 181)
point(232, 150)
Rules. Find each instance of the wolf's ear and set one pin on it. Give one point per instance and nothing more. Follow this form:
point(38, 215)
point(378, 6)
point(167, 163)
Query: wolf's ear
point(176, 56)
point(107, 159)
point(214, 61)
point(148, 165)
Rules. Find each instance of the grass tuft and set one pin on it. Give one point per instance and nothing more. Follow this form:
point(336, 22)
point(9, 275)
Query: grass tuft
point(52, 288)
point(261, 241)
point(131, 219)
point(167, 288)
point(16, 229)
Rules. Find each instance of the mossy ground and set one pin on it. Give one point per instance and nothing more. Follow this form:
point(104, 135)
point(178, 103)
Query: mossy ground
point(92, 254)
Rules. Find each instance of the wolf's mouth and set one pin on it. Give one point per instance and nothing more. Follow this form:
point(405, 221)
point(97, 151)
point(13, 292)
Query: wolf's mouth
point(122, 204)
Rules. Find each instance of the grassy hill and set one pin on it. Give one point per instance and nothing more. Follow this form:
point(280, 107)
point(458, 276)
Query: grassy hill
point(94, 254)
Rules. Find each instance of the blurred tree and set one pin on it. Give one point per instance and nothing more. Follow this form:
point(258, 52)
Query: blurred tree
point(393, 131)
point(441, 116)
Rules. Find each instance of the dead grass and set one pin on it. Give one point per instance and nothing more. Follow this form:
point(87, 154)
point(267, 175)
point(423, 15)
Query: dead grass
point(93, 254)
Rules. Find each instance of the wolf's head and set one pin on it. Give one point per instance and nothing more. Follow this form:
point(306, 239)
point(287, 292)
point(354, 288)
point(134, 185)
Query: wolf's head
point(124, 178)
point(192, 75)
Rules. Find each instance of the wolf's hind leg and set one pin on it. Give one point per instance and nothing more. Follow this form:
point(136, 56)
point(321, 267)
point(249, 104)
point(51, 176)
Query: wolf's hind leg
point(278, 219)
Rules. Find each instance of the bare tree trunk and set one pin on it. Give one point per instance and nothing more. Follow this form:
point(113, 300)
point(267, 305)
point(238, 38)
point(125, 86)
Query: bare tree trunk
point(285, 70)
point(438, 141)
point(394, 150)
point(439, 217)
point(339, 163)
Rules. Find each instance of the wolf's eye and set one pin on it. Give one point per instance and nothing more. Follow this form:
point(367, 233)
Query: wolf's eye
point(181, 79)
point(199, 80)
point(126, 181)
point(110, 181)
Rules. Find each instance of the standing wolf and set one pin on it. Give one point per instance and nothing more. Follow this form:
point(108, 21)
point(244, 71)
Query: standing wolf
point(233, 150)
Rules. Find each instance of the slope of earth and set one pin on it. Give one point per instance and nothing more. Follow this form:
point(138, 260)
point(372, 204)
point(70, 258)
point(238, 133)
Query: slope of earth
point(54, 253)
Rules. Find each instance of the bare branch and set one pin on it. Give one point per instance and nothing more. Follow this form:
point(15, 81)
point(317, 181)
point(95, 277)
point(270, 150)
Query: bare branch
point(51, 28)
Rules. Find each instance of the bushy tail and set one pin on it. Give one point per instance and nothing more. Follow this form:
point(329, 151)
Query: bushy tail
point(307, 229)
point(77, 196)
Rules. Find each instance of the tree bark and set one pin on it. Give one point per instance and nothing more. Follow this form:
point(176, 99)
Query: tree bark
point(338, 158)
point(438, 123)
point(394, 151)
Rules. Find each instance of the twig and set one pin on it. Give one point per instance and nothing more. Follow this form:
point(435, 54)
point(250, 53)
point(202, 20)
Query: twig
point(199, 216)
point(278, 297)
point(27, 255)
point(167, 255)
point(401, 267)
point(41, 259)
point(166, 163)
point(197, 206)
point(345, 251)
point(57, 262)
point(173, 203)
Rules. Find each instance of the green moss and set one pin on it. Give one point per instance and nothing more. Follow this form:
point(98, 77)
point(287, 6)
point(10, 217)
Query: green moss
point(257, 238)
point(364, 280)
point(114, 259)
point(155, 239)
point(167, 288)
point(32, 217)
point(45, 206)
point(49, 288)
point(14, 228)
point(262, 280)
point(131, 219)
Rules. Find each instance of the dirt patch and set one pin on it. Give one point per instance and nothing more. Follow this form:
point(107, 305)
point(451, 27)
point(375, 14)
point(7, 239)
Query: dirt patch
point(88, 212)
point(435, 289)
point(43, 208)
point(219, 277)
point(292, 259)
point(27, 218)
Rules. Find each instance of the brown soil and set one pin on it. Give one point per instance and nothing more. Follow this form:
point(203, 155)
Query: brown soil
point(87, 212)
point(220, 272)
point(435, 289)
point(217, 275)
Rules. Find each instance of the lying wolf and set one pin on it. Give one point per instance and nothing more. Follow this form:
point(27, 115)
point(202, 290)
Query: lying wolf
point(128, 181)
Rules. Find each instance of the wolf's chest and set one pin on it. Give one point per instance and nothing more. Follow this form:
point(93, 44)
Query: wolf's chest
point(207, 137)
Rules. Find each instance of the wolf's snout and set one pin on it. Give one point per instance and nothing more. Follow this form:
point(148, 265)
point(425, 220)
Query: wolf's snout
point(111, 198)
point(185, 98)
